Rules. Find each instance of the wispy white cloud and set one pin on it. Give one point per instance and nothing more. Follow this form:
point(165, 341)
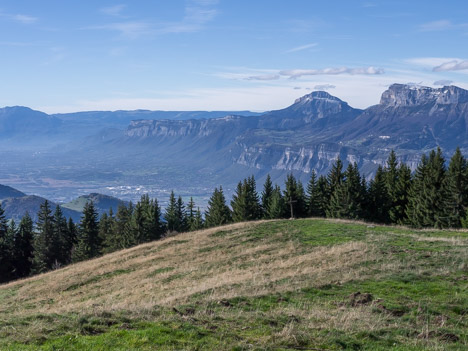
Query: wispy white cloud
point(20, 18)
point(196, 14)
point(297, 73)
point(24, 19)
point(443, 82)
point(302, 47)
point(324, 87)
point(454, 65)
point(264, 77)
point(128, 29)
point(441, 25)
point(436, 26)
point(430, 61)
point(115, 11)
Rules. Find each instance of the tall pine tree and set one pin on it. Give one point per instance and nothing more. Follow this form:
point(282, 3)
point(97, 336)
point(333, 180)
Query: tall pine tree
point(89, 243)
point(217, 212)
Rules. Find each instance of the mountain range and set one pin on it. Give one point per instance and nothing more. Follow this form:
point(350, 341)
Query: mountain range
point(317, 128)
point(16, 203)
point(131, 152)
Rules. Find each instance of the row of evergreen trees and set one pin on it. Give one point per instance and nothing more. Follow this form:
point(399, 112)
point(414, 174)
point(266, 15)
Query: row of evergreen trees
point(434, 196)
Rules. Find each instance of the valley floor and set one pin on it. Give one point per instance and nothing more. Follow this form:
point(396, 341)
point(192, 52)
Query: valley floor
point(309, 284)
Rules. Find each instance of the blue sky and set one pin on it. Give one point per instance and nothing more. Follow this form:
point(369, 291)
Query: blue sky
point(64, 56)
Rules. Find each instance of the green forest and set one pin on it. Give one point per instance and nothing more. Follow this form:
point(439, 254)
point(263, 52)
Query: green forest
point(434, 195)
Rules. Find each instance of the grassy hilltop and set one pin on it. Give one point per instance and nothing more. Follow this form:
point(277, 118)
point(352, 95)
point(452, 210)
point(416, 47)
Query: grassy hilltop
point(278, 285)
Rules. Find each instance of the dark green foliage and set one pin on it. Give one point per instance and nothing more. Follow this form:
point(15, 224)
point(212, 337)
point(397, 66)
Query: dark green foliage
point(316, 193)
point(6, 249)
point(171, 217)
point(335, 176)
point(348, 194)
point(191, 214)
point(217, 213)
point(378, 198)
point(245, 202)
point(154, 227)
point(60, 228)
point(267, 195)
point(294, 196)
point(88, 243)
point(427, 206)
point(23, 247)
point(277, 208)
point(122, 235)
point(106, 227)
point(181, 216)
point(397, 183)
point(198, 222)
point(47, 244)
point(457, 187)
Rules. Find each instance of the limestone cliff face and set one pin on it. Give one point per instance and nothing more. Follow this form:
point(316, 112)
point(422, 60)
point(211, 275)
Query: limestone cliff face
point(318, 128)
point(399, 95)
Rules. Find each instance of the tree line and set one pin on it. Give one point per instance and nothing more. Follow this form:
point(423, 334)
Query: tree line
point(433, 196)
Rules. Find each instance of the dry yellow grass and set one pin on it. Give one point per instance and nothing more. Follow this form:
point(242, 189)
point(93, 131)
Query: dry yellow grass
point(170, 271)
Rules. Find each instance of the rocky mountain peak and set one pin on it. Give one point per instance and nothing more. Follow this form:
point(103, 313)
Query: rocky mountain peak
point(409, 95)
point(317, 95)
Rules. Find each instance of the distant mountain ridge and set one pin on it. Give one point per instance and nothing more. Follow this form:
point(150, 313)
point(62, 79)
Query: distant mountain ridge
point(140, 150)
point(318, 128)
point(16, 203)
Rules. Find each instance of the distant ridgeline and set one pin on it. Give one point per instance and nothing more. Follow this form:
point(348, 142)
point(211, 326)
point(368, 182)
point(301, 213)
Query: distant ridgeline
point(433, 196)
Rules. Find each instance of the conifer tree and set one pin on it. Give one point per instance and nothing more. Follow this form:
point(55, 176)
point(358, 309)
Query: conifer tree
point(277, 208)
point(154, 224)
point(398, 208)
point(239, 204)
point(379, 198)
point(457, 188)
point(122, 235)
point(23, 247)
point(106, 227)
point(314, 206)
point(217, 212)
point(197, 224)
point(348, 196)
point(267, 194)
point(427, 204)
point(335, 176)
point(138, 222)
point(171, 217)
point(88, 243)
point(61, 234)
point(46, 245)
point(72, 237)
point(322, 196)
point(182, 225)
point(294, 195)
point(190, 214)
point(245, 201)
point(6, 249)
point(254, 209)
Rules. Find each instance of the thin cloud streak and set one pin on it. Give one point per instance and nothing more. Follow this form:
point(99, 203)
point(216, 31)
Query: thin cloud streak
point(302, 47)
point(196, 14)
point(115, 11)
point(454, 65)
point(264, 77)
point(298, 73)
point(20, 18)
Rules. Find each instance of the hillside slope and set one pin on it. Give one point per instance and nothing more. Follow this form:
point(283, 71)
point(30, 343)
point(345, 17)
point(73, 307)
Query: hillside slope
point(304, 284)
